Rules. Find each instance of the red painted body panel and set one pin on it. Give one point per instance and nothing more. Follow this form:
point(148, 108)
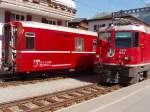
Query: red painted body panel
point(54, 49)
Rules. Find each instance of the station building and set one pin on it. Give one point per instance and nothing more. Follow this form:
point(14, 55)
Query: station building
point(139, 15)
point(56, 12)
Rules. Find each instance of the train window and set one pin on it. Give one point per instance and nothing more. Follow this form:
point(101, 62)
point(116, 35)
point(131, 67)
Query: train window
point(135, 39)
point(79, 44)
point(123, 39)
point(30, 40)
point(94, 45)
point(106, 35)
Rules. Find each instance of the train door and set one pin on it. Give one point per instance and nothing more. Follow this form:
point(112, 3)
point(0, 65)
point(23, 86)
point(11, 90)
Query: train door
point(143, 47)
point(8, 46)
point(1, 27)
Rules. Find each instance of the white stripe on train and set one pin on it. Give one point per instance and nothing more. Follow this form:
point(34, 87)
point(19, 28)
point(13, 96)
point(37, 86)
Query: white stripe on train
point(59, 52)
point(128, 65)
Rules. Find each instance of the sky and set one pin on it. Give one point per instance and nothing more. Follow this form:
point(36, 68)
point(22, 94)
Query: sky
point(89, 8)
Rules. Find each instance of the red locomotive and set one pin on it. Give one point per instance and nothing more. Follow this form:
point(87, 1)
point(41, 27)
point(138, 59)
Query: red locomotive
point(123, 53)
point(31, 46)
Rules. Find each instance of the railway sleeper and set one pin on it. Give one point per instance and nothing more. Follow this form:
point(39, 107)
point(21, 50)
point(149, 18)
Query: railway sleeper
point(38, 103)
point(23, 107)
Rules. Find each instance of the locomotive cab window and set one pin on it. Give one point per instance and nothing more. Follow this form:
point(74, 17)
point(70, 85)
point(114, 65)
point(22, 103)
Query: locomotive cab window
point(30, 40)
point(123, 39)
point(79, 44)
point(126, 39)
point(105, 35)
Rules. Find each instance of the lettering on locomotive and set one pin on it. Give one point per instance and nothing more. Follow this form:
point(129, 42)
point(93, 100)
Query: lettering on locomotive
point(41, 64)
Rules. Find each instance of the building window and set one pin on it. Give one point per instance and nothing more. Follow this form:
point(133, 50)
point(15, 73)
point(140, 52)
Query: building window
point(97, 27)
point(26, 0)
point(79, 44)
point(7, 16)
point(110, 24)
point(18, 17)
point(59, 23)
point(103, 25)
point(53, 22)
point(30, 40)
point(29, 18)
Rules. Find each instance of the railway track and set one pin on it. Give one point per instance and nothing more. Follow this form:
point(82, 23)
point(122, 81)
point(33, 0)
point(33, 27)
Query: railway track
point(55, 101)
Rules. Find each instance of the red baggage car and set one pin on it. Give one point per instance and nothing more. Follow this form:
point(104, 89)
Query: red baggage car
point(31, 46)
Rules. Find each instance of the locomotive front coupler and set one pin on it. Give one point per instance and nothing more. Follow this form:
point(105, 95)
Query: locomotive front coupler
point(113, 73)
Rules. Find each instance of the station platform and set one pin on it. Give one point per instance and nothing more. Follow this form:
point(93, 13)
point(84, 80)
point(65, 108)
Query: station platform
point(20, 92)
point(135, 98)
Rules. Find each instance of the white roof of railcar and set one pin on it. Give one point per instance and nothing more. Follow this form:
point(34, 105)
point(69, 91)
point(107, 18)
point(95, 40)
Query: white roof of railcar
point(58, 28)
point(133, 27)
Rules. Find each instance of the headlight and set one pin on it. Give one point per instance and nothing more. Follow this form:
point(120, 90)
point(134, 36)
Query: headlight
point(97, 56)
point(127, 58)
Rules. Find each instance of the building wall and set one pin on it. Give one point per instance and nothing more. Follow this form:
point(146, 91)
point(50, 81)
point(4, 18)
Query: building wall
point(36, 18)
point(47, 11)
point(95, 25)
point(60, 9)
point(33, 17)
point(1, 15)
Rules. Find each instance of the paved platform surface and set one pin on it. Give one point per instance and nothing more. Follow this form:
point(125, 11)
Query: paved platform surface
point(135, 98)
point(31, 90)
